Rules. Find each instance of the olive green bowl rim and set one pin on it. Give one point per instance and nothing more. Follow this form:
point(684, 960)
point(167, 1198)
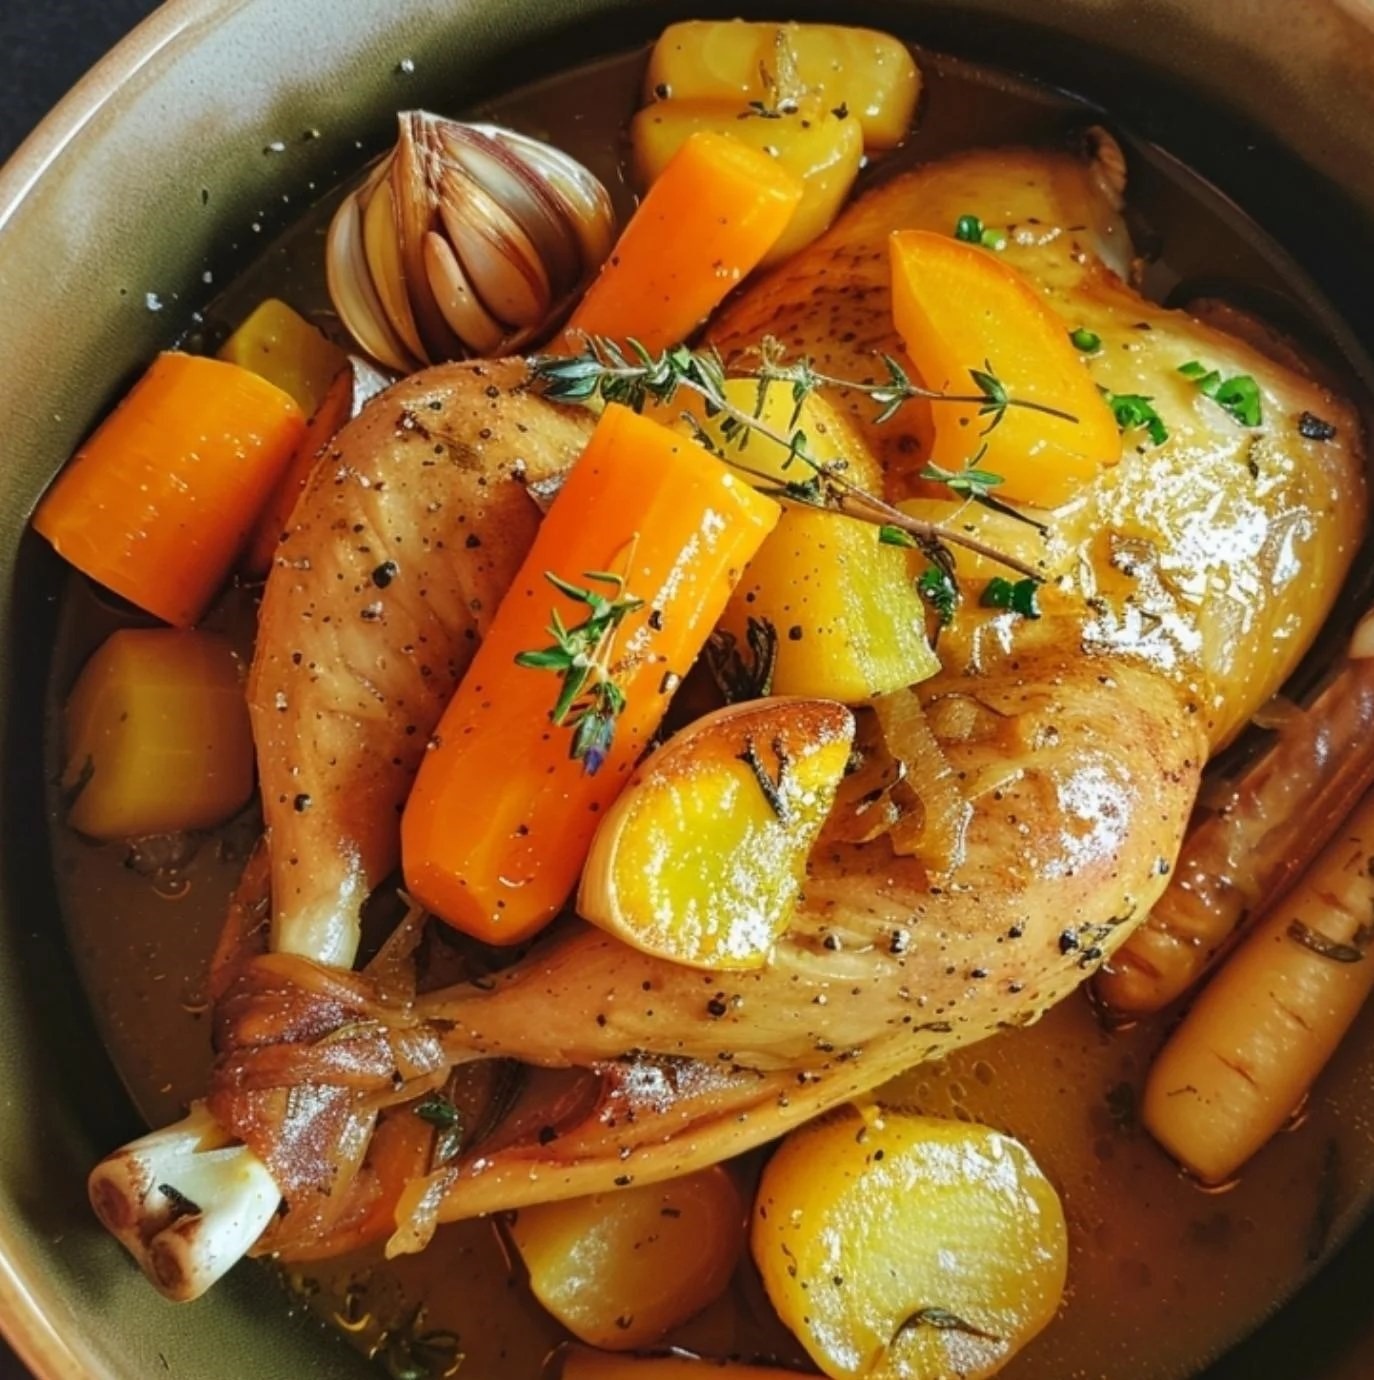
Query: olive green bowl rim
point(25, 1320)
point(32, 1307)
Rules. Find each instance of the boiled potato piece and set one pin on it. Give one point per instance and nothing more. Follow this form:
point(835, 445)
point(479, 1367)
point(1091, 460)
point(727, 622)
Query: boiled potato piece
point(618, 1270)
point(844, 608)
point(850, 623)
point(822, 151)
point(901, 1247)
point(869, 76)
point(700, 859)
point(832, 439)
point(576, 1363)
point(157, 735)
point(287, 350)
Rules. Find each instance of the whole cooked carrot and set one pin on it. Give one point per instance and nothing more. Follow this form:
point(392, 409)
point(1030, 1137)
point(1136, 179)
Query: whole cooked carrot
point(158, 503)
point(623, 585)
point(717, 208)
point(329, 417)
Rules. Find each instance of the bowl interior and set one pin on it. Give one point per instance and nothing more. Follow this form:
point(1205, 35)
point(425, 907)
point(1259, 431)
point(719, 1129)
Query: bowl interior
point(158, 172)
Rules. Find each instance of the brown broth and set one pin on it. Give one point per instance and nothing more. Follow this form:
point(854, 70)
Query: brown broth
point(1163, 1275)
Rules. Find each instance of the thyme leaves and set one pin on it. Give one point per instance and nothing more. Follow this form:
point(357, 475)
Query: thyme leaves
point(743, 673)
point(590, 700)
point(632, 376)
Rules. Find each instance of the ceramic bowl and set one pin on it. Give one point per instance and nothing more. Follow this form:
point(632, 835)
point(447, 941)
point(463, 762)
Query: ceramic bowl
point(152, 173)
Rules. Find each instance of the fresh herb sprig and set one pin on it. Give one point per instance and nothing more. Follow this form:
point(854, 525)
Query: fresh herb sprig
point(590, 701)
point(634, 377)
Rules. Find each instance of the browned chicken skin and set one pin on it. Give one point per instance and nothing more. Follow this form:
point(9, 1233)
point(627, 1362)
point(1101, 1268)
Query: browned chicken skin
point(413, 525)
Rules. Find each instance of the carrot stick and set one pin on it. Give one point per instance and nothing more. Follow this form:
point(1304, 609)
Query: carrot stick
point(334, 410)
point(158, 503)
point(717, 208)
point(501, 817)
point(1244, 1057)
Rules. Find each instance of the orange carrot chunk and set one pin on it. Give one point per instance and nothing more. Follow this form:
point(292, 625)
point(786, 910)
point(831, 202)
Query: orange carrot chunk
point(958, 307)
point(502, 814)
point(158, 503)
point(717, 208)
point(334, 410)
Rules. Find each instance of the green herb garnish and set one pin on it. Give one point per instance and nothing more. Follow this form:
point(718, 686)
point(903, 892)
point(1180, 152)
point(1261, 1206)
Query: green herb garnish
point(447, 1121)
point(771, 790)
point(1325, 947)
point(409, 1354)
point(1137, 410)
point(971, 230)
point(1239, 395)
point(589, 701)
point(632, 376)
point(945, 1321)
point(938, 589)
point(725, 659)
point(1017, 595)
point(1085, 340)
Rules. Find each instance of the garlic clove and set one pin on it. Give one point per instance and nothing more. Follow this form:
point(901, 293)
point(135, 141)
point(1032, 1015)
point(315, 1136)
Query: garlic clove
point(537, 210)
point(465, 240)
point(354, 297)
point(465, 314)
point(498, 257)
point(383, 248)
point(585, 201)
point(414, 189)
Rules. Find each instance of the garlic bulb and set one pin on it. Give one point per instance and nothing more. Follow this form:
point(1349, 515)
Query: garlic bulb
point(465, 240)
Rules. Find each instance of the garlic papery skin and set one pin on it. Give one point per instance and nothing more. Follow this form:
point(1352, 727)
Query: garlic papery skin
point(466, 240)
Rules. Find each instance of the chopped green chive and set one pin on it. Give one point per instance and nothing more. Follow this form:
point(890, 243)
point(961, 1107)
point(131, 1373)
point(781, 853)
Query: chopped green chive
point(1240, 395)
point(1018, 596)
point(1137, 410)
point(1085, 340)
point(938, 589)
point(971, 230)
point(896, 536)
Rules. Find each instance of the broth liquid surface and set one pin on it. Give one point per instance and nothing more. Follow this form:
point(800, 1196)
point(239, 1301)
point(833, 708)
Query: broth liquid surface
point(1163, 1275)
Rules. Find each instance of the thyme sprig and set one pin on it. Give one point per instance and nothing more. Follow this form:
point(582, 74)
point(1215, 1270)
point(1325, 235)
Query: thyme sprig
point(634, 377)
point(590, 701)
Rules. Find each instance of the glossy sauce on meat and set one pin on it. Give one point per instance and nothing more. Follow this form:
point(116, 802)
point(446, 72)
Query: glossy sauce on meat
point(1162, 1275)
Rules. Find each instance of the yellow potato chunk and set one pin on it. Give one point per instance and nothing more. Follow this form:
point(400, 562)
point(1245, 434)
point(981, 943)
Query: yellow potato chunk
point(849, 621)
point(576, 1363)
point(901, 1247)
point(284, 348)
point(157, 735)
point(618, 1270)
point(831, 437)
point(869, 76)
point(822, 151)
point(700, 860)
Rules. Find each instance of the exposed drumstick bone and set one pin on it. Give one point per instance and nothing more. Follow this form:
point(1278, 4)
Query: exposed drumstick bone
point(184, 1203)
point(1282, 813)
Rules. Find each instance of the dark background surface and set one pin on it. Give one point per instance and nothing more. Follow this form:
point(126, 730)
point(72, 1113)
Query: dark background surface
point(44, 48)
